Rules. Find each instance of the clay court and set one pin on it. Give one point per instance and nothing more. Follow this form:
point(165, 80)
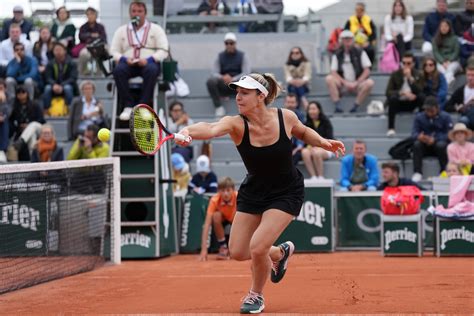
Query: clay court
point(343, 282)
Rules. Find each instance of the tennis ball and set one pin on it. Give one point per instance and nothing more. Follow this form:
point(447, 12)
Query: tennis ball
point(103, 135)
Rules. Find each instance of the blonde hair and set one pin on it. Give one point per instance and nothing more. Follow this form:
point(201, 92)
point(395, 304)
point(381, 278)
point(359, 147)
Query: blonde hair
point(85, 83)
point(269, 81)
point(47, 126)
point(224, 183)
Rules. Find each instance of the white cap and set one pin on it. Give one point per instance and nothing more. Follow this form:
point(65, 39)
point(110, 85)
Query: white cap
point(18, 8)
point(346, 34)
point(248, 82)
point(203, 164)
point(230, 37)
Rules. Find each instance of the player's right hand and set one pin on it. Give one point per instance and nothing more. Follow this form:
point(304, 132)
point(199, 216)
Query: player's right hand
point(187, 142)
point(203, 256)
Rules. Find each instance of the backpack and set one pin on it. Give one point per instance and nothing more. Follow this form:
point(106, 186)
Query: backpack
point(58, 107)
point(333, 42)
point(403, 149)
point(402, 200)
point(390, 61)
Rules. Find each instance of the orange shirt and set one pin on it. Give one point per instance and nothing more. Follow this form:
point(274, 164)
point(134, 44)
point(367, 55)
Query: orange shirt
point(228, 209)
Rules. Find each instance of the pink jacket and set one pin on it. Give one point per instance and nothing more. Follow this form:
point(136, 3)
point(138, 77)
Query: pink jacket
point(456, 153)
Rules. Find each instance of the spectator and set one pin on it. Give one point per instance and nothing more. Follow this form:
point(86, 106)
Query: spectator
point(61, 76)
point(430, 131)
point(452, 169)
point(359, 170)
point(6, 46)
point(463, 20)
point(461, 150)
point(204, 181)
point(22, 70)
point(215, 8)
point(85, 110)
point(180, 173)
point(462, 100)
point(63, 30)
point(4, 128)
point(446, 50)
point(391, 177)
point(432, 22)
point(89, 32)
point(220, 213)
point(18, 18)
point(404, 92)
point(399, 27)
point(313, 157)
point(228, 66)
point(467, 46)
point(138, 47)
point(179, 119)
point(47, 149)
point(291, 103)
point(350, 71)
point(433, 82)
point(43, 50)
point(298, 75)
point(25, 123)
point(88, 146)
point(364, 30)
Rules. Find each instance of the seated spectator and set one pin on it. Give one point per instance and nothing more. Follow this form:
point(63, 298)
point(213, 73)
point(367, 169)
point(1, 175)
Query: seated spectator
point(350, 71)
point(399, 27)
point(22, 70)
point(467, 46)
point(4, 128)
point(431, 25)
point(180, 173)
point(364, 30)
point(313, 157)
point(25, 123)
point(6, 46)
point(138, 47)
point(391, 177)
point(463, 20)
point(215, 8)
point(433, 83)
point(89, 32)
point(18, 18)
point(291, 103)
point(220, 213)
point(43, 51)
point(452, 169)
point(88, 146)
point(404, 93)
point(462, 100)
point(461, 150)
point(359, 170)
point(61, 76)
point(298, 75)
point(228, 66)
point(446, 50)
point(63, 30)
point(430, 131)
point(85, 110)
point(204, 180)
point(46, 148)
point(178, 120)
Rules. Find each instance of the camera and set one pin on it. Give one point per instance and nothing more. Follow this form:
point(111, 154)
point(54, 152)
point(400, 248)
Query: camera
point(81, 139)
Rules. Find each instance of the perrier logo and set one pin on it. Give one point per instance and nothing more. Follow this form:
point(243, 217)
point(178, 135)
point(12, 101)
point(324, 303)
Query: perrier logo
point(396, 235)
point(456, 234)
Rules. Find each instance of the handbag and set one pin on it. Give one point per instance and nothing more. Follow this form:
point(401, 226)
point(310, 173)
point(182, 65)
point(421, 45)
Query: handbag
point(402, 200)
point(170, 68)
point(77, 49)
point(58, 107)
point(390, 60)
point(178, 88)
point(403, 149)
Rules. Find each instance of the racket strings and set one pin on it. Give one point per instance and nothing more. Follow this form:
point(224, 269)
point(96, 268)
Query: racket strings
point(147, 132)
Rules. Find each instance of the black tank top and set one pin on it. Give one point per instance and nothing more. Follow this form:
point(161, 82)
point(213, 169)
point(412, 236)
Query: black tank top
point(267, 160)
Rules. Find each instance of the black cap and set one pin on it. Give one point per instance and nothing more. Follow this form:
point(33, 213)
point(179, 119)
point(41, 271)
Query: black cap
point(20, 89)
point(430, 102)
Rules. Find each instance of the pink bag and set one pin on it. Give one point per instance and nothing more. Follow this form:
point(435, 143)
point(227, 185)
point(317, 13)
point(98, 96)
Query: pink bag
point(390, 61)
point(77, 49)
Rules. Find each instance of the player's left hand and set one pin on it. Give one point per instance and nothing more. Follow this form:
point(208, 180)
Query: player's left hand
point(335, 146)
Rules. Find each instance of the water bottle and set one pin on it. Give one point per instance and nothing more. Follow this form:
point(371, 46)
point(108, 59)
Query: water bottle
point(220, 8)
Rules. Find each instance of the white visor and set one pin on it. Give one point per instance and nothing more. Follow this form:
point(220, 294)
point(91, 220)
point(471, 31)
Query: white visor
point(248, 82)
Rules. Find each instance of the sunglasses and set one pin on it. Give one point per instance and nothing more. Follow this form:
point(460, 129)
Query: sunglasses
point(408, 63)
point(229, 43)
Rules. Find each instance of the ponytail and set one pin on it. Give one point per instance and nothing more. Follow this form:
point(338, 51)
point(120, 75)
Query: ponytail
point(269, 81)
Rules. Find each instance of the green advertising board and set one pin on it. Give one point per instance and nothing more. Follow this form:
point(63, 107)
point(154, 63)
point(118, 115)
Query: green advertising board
point(193, 214)
point(358, 217)
point(312, 230)
point(454, 237)
point(138, 242)
point(401, 235)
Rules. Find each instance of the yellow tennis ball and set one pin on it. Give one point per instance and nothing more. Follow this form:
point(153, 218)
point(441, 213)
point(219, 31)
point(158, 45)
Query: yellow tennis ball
point(103, 135)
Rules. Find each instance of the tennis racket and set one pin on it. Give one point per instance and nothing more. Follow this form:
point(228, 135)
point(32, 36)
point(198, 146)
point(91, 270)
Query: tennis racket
point(147, 132)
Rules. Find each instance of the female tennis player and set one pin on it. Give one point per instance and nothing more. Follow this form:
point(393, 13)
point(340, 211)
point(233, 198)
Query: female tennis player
point(273, 191)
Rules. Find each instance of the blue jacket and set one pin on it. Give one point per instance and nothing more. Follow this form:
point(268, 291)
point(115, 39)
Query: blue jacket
point(27, 68)
point(347, 166)
point(437, 127)
point(441, 93)
point(432, 23)
point(208, 183)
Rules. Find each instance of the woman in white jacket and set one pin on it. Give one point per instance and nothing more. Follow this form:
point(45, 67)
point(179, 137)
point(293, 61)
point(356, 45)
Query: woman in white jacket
point(398, 27)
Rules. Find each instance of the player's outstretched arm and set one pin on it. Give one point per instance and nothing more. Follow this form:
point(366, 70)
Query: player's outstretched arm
point(204, 130)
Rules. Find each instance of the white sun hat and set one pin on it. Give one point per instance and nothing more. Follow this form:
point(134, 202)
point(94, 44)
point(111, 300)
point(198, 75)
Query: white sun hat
point(248, 82)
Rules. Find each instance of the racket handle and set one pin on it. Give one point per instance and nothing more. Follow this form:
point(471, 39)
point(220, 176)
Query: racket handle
point(182, 138)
